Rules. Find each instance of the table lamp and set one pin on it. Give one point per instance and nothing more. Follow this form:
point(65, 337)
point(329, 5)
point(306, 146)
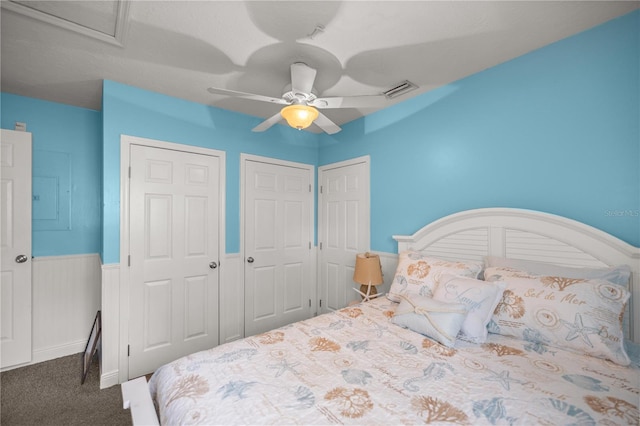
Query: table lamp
point(368, 273)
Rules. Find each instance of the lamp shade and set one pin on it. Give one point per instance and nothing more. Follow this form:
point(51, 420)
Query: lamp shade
point(368, 270)
point(299, 116)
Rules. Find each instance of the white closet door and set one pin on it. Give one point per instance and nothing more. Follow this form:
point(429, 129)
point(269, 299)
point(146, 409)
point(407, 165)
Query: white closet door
point(343, 229)
point(278, 225)
point(15, 220)
point(174, 279)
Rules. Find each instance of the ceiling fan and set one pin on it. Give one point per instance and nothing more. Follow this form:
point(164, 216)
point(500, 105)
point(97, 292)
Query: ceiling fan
point(302, 104)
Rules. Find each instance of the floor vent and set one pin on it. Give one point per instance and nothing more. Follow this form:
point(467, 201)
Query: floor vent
point(400, 89)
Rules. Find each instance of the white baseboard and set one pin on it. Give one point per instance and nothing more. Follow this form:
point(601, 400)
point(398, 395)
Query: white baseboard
point(108, 379)
point(53, 352)
point(58, 351)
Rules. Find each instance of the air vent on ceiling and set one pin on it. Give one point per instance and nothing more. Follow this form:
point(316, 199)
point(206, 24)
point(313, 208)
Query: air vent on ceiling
point(400, 89)
point(104, 20)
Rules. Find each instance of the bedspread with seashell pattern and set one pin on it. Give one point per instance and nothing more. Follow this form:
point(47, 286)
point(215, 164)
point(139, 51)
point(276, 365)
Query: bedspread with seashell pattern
point(354, 366)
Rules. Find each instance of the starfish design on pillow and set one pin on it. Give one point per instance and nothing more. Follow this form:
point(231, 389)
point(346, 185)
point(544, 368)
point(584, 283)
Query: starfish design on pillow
point(578, 329)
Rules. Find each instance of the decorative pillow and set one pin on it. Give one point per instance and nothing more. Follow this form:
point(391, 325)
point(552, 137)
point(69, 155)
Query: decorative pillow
point(572, 313)
point(438, 320)
point(479, 297)
point(417, 273)
point(616, 274)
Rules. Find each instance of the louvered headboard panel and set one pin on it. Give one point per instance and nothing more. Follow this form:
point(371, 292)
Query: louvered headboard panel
point(533, 246)
point(470, 244)
point(528, 235)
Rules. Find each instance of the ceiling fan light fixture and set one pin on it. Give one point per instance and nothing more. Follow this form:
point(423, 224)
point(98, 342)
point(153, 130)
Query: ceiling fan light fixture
point(299, 116)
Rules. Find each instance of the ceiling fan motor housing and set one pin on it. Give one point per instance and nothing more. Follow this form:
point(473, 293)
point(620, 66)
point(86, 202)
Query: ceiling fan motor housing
point(294, 97)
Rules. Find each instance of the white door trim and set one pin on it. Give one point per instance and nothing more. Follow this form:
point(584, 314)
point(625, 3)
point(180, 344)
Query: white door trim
point(125, 143)
point(364, 159)
point(243, 160)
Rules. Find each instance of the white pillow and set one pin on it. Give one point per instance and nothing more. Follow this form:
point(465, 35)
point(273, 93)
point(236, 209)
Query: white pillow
point(616, 274)
point(479, 297)
point(417, 273)
point(438, 320)
point(572, 313)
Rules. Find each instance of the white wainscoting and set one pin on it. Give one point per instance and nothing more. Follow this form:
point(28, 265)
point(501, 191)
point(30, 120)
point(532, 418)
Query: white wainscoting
point(389, 262)
point(231, 299)
point(66, 297)
point(110, 325)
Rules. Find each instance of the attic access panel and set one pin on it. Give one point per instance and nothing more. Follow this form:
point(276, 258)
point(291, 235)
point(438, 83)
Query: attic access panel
point(103, 20)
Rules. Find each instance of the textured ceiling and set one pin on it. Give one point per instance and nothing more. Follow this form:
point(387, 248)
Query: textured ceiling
point(180, 48)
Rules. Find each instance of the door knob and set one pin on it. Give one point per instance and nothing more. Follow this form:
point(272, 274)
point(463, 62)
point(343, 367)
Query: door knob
point(21, 258)
point(213, 265)
point(250, 259)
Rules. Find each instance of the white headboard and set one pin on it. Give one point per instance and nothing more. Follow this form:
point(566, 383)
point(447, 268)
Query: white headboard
point(529, 235)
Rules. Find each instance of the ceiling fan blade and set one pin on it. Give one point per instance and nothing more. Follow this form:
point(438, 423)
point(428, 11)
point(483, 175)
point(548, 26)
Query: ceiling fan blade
point(302, 77)
point(267, 123)
point(244, 95)
point(325, 124)
point(365, 101)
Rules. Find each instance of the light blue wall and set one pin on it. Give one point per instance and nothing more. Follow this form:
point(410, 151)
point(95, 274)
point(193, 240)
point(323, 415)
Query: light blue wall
point(556, 130)
point(73, 134)
point(136, 112)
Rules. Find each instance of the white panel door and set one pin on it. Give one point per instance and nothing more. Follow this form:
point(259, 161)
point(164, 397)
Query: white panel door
point(15, 218)
point(277, 245)
point(343, 229)
point(174, 220)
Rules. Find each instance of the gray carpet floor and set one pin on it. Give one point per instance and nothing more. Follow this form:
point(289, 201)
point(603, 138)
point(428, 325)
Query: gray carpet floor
point(50, 393)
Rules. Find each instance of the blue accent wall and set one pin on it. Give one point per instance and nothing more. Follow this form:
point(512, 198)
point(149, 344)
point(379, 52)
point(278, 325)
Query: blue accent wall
point(136, 112)
point(556, 130)
point(67, 145)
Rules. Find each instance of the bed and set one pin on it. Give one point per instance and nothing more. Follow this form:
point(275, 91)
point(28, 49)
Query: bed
point(548, 351)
